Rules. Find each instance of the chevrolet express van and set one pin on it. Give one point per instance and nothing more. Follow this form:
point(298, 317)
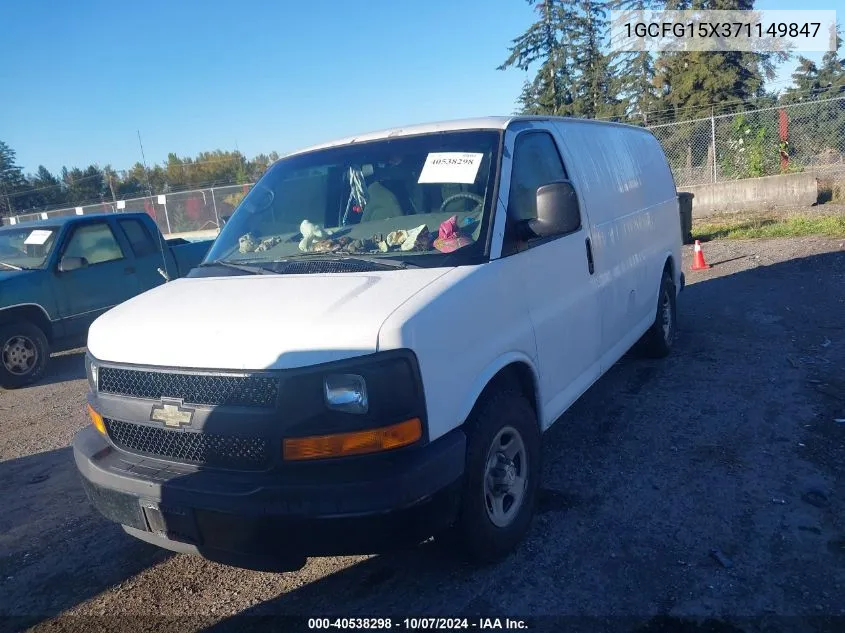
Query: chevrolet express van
point(378, 338)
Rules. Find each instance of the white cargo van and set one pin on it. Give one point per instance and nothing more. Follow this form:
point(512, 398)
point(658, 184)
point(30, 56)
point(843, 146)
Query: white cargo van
point(378, 338)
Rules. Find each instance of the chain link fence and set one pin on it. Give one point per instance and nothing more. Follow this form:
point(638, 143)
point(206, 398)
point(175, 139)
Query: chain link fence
point(808, 136)
point(181, 212)
point(800, 137)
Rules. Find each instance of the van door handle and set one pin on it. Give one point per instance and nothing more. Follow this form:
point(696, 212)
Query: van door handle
point(590, 264)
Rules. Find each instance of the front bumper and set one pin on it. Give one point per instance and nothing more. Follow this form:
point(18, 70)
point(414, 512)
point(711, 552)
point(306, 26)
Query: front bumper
point(353, 505)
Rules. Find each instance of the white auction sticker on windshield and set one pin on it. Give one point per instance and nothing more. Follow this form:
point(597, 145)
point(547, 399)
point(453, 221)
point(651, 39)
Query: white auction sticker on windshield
point(38, 237)
point(450, 167)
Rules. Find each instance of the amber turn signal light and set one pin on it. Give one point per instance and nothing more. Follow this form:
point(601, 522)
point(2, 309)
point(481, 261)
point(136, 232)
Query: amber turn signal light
point(354, 443)
point(96, 420)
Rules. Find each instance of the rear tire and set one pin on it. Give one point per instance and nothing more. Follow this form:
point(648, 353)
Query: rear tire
point(501, 479)
point(660, 337)
point(24, 352)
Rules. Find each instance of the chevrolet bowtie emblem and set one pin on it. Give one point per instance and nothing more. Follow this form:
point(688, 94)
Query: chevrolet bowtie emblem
point(173, 415)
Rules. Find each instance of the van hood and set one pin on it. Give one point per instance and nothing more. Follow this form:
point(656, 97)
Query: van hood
point(255, 322)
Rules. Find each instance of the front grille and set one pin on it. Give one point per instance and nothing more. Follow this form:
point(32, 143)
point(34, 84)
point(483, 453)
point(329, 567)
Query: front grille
point(241, 391)
point(207, 449)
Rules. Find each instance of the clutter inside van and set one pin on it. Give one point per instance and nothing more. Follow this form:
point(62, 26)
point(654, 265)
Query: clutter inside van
point(411, 196)
point(310, 232)
point(317, 239)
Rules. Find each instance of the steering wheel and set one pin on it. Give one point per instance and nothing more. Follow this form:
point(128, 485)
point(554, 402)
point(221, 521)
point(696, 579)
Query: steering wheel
point(463, 194)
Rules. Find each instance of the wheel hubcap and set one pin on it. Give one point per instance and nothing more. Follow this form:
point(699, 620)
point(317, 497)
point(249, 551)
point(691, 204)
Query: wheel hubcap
point(666, 311)
point(19, 355)
point(506, 478)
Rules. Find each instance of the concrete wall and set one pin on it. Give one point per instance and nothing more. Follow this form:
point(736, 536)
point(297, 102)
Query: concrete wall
point(754, 194)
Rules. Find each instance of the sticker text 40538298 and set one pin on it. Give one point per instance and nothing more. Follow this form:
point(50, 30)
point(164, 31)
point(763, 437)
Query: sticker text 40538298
point(450, 167)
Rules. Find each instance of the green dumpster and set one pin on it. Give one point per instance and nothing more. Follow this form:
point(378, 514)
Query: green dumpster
point(685, 204)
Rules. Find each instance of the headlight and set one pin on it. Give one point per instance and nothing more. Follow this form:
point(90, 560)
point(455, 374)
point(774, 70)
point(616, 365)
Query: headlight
point(92, 370)
point(346, 392)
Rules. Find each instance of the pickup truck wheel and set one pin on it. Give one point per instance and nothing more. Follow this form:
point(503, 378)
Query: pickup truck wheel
point(501, 479)
point(23, 354)
point(660, 338)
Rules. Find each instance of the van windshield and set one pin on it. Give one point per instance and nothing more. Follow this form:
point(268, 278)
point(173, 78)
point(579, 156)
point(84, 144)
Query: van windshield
point(424, 200)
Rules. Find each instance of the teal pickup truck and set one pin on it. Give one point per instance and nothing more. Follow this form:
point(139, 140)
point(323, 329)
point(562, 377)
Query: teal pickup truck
point(57, 276)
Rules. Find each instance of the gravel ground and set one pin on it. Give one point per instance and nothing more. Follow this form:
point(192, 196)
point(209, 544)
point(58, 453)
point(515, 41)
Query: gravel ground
point(699, 493)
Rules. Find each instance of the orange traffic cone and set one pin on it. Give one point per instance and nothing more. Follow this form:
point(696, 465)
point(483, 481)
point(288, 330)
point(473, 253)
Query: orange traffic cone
point(698, 262)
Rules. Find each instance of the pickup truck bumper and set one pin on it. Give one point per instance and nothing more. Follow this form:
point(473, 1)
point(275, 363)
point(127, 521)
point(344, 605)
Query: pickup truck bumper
point(267, 520)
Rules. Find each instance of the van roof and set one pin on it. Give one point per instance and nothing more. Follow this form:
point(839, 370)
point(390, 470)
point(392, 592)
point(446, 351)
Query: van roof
point(480, 123)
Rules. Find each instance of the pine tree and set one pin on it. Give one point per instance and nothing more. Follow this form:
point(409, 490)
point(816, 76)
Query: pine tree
point(545, 43)
point(527, 100)
point(696, 80)
point(633, 72)
point(811, 82)
point(805, 81)
point(11, 180)
point(47, 190)
point(818, 130)
point(84, 186)
point(831, 75)
point(689, 83)
point(594, 95)
point(574, 76)
point(547, 93)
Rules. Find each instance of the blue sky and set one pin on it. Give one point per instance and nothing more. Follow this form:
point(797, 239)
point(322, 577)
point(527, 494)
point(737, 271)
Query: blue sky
point(79, 78)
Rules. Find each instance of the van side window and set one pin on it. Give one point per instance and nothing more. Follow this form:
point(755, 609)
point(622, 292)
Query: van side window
point(536, 162)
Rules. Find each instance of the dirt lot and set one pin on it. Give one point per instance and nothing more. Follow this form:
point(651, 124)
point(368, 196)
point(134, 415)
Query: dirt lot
point(730, 445)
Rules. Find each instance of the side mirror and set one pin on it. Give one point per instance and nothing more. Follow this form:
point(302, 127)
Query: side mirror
point(558, 212)
point(72, 263)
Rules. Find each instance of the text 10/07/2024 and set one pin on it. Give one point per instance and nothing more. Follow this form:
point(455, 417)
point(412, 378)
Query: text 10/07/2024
point(418, 624)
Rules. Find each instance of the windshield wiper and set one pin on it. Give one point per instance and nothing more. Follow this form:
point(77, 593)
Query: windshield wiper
point(385, 262)
point(14, 267)
point(251, 269)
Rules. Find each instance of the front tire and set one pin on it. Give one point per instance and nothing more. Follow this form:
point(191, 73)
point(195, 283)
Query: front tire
point(660, 337)
point(24, 352)
point(502, 477)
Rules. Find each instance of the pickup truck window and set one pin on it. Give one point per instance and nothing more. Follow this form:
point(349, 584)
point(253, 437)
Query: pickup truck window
point(26, 247)
point(139, 237)
point(95, 242)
